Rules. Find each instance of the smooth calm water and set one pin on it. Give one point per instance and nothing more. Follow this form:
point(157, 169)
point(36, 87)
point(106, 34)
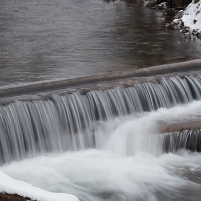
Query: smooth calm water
point(43, 39)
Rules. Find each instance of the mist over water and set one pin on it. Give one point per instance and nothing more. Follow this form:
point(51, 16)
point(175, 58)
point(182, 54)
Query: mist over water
point(127, 165)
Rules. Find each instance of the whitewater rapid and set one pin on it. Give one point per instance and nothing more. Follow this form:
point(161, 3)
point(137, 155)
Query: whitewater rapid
point(128, 163)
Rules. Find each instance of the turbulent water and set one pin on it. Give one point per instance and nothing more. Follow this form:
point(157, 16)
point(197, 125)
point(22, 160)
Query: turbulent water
point(68, 122)
point(107, 144)
point(127, 165)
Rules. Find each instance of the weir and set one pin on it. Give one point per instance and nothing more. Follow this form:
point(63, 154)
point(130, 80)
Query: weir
point(64, 85)
point(185, 139)
point(66, 121)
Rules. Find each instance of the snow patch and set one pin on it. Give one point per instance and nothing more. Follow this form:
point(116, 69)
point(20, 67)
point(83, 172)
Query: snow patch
point(11, 186)
point(190, 18)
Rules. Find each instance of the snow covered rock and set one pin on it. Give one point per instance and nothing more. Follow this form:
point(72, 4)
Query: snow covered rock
point(190, 19)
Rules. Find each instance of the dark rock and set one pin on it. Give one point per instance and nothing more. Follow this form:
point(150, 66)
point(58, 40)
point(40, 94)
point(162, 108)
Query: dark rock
point(195, 1)
point(181, 3)
point(151, 4)
point(170, 12)
point(13, 197)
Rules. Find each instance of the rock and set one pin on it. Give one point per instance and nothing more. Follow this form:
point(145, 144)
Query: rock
point(13, 197)
point(181, 4)
point(151, 4)
point(170, 12)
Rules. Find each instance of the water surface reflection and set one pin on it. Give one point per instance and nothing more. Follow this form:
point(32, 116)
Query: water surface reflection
point(67, 38)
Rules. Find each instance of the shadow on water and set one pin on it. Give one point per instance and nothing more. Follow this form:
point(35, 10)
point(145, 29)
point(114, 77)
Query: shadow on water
point(64, 38)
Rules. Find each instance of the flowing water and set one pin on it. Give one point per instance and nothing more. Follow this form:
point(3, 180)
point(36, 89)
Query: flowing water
point(128, 165)
point(43, 39)
point(68, 122)
point(107, 144)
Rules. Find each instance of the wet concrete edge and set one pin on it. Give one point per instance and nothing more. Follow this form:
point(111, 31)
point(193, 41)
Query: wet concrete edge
point(48, 85)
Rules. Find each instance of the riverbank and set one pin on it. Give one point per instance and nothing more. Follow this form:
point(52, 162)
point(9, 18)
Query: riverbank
point(13, 197)
point(187, 16)
point(189, 20)
point(17, 190)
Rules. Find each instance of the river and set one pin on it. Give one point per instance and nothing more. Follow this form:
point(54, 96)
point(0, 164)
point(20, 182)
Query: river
point(107, 145)
point(102, 145)
point(127, 166)
point(41, 40)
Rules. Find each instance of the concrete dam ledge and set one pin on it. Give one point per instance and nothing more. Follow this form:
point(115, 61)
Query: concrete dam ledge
point(191, 124)
point(7, 92)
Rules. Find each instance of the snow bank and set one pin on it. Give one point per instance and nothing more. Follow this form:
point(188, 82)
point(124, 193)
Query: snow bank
point(190, 18)
point(11, 186)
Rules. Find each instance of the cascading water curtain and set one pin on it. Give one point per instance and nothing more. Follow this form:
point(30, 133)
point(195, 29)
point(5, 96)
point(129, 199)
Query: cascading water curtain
point(186, 139)
point(66, 122)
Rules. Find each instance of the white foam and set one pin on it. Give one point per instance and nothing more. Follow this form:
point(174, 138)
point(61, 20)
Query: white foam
point(129, 164)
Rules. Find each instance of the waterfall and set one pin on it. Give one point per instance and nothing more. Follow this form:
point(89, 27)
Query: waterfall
point(67, 122)
point(186, 139)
